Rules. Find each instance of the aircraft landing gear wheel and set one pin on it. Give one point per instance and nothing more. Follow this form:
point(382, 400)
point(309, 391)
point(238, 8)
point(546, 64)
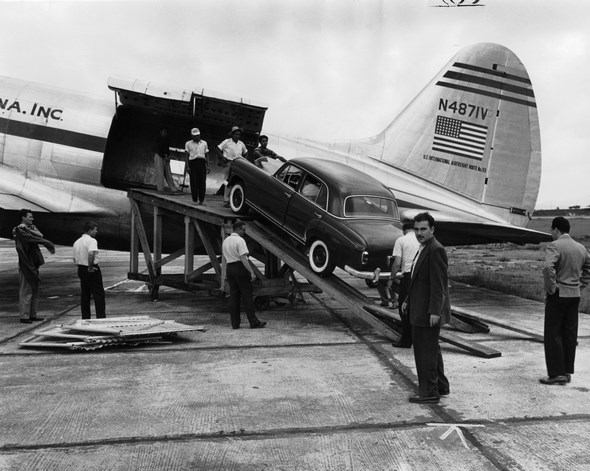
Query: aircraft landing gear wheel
point(261, 303)
point(237, 198)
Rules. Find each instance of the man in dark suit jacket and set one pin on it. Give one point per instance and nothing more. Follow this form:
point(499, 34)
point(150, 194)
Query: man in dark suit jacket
point(567, 268)
point(429, 307)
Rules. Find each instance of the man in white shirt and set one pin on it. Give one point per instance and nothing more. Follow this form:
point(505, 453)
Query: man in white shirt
point(404, 252)
point(239, 275)
point(197, 160)
point(86, 257)
point(231, 149)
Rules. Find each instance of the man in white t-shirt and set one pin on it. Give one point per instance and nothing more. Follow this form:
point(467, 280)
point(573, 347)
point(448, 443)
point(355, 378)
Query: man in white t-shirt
point(231, 149)
point(86, 257)
point(404, 251)
point(239, 275)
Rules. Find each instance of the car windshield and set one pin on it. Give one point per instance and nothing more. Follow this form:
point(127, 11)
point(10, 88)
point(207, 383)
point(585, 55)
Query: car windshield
point(370, 206)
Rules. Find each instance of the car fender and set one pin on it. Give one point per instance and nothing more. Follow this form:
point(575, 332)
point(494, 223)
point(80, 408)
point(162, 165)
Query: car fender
point(337, 239)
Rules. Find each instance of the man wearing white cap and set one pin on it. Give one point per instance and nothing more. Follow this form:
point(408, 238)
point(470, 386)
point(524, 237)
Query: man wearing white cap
point(197, 160)
point(231, 149)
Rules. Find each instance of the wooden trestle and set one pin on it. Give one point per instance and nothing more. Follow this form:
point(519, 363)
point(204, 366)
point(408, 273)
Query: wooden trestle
point(204, 228)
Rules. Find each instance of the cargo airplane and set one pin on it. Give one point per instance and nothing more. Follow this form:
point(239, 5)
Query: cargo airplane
point(467, 149)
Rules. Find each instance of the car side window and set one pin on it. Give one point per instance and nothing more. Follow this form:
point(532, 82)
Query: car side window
point(291, 175)
point(314, 190)
point(370, 206)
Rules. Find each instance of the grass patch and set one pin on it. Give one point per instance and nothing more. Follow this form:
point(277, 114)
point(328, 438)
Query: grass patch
point(506, 268)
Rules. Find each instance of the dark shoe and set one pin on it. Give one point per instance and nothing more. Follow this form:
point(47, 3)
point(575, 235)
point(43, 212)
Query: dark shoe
point(260, 325)
point(37, 318)
point(444, 392)
point(202, 203)
point(401, 344)
point(384, 303)
point(554, 380)
point(26, 321)
point(236, 328)
point(568, 378)
point(424, 399)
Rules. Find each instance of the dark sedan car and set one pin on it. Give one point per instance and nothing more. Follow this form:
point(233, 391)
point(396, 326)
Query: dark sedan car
point(343, 217)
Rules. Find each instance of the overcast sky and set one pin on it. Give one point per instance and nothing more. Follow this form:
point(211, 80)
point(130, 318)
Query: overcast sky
point(331, 69)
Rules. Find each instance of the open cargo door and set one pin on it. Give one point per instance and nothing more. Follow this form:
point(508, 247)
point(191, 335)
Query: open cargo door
point(143, 107)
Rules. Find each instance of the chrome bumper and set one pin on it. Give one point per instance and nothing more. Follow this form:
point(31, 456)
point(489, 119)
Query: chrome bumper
point(368, 275)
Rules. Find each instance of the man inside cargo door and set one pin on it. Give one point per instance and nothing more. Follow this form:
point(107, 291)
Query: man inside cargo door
point(162, 163)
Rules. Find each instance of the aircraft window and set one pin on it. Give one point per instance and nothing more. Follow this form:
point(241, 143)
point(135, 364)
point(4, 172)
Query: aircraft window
point(370, 206)
point(291, 175)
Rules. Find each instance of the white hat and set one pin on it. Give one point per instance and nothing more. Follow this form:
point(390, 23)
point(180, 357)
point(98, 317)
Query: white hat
point(195, 131)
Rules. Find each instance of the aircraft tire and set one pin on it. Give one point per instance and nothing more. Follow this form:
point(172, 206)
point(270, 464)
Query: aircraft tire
point(237, 198)
point(320, 258)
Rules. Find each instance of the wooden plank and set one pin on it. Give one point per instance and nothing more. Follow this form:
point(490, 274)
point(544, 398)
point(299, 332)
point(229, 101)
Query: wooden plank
point(213, 212)
point(157, 245)
point(473, 347)
point(209, 248)
point(134, 248)
point(470, 326)
point(498, 323)
point(169, 258)
point(189, 247)
point(145, 246)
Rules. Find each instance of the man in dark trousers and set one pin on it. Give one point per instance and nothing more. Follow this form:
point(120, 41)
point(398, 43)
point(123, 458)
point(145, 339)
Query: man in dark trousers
point(86, 257)
point(197, 165)
point(27, 239)
point(240, 275)
point(404, 252)
point(567, 268)
point(428, 304)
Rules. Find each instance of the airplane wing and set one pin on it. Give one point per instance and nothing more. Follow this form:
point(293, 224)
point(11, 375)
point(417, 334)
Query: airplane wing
point(45, 195)
point(451, 231)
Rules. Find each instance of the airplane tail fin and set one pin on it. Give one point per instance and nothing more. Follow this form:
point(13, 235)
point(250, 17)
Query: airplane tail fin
point(474, 129)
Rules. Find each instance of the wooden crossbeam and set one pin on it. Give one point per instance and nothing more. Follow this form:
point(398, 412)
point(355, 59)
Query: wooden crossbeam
point(209, 248)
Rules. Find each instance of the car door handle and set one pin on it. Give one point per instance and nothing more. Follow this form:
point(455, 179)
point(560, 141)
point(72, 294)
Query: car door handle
point(318, 215)
point(288, 195)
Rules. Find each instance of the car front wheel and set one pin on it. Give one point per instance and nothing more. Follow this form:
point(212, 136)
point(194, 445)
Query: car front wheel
point(320, 258)
point(237, 198)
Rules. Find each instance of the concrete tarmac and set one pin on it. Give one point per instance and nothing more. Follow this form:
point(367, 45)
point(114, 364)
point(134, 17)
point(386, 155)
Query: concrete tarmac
point(317, 389)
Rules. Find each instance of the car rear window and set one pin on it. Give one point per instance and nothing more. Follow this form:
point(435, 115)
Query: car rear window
point(370, 206)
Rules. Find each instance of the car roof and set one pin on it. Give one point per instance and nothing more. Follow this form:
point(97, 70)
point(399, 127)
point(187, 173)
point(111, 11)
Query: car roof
point(342, 178)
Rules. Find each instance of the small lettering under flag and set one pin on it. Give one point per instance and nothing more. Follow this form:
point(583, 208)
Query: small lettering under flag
point(459, 138)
